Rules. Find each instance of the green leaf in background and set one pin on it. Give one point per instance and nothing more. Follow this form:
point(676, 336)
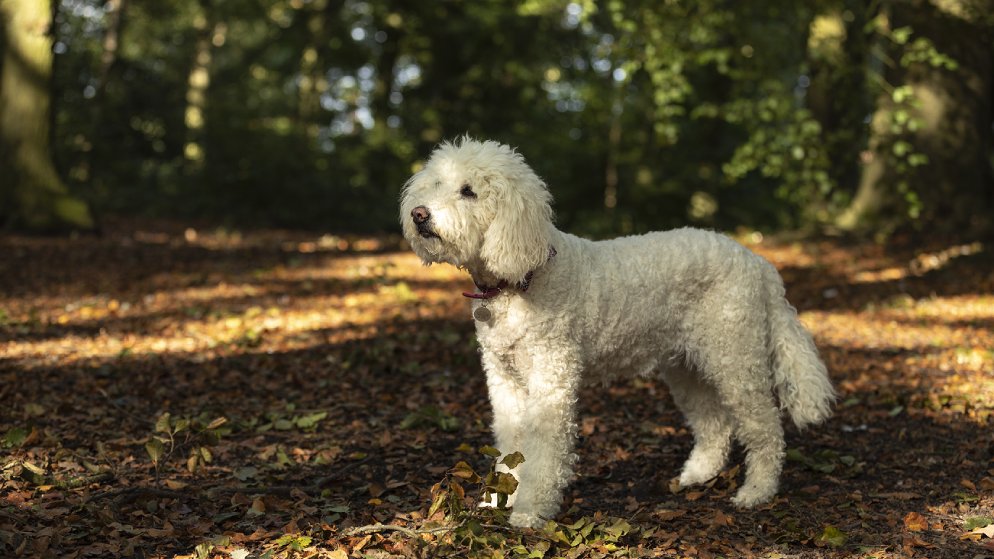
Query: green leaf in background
point(15, 436)
point(832, 536)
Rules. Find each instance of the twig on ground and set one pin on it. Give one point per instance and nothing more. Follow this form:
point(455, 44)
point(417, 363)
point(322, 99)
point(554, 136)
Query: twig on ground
point(123, 495)
point(80, 481)
point(411, 533)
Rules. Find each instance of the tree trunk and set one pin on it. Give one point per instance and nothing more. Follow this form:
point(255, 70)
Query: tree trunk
point(112, 41)
point(838, 97)
point(314, 63)
point(32, 195)
point(954, 114)
point(210, 33)
point(100, 150)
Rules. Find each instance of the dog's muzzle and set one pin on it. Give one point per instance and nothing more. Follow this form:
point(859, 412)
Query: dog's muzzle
point(422, 220)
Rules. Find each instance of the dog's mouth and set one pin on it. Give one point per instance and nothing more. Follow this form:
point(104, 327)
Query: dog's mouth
point(426, 232)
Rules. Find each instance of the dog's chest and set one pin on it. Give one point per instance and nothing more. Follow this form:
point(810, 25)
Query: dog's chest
point(506, 335)
point(506, 321)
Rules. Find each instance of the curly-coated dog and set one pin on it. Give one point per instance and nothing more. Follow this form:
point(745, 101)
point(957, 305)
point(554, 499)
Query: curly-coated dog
point(554, 311)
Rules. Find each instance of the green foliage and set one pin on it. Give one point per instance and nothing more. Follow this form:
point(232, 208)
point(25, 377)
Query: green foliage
point(973, 522)
point(204, 550)
point(827, 461)
point(14, 437)
point(287, 420)
point(194, 435)
point(832, 536)
point(430, 416)
point(483, 532)
point(295, 542)
point(315, 113)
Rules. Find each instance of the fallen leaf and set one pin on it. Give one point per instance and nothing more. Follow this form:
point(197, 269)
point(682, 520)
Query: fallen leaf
point(665, 515)
point(914, 541)
point(721, 520)
point(258, 506)
point(900, 495)
point(176, 484)
point(972, 522)
point(832, 537)
point(357, 547)
point(915, 522)
point(694, 495)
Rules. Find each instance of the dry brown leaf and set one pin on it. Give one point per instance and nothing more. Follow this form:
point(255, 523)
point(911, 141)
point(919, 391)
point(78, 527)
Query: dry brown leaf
point(915, 522)
point(176, 484)
point(694, 495)
point(258, 505)
point(900, 495)
point(721, 520)
point(664, 515)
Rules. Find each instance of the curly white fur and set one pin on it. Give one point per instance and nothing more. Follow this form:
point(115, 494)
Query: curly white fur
point(694, 305)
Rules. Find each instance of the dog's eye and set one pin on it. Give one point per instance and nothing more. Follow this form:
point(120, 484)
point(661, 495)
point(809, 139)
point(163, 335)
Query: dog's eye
point(467, 191)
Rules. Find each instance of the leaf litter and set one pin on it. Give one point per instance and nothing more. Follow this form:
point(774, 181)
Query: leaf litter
point(281, 394)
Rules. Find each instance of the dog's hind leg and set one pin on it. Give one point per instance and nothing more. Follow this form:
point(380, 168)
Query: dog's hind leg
point(758, 427)
point(709, 421)
point(728, 348)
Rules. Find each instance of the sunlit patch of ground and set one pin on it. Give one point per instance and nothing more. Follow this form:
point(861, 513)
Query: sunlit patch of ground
point(338, 293)
point(349, 383)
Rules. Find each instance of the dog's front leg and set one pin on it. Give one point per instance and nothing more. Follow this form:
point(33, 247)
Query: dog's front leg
point(507, 398)
point(546, 436)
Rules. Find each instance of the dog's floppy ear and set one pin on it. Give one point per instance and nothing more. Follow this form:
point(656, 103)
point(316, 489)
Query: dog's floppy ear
point(517, 240)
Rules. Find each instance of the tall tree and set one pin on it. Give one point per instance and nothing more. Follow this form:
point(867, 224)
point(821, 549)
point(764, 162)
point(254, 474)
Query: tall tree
point(210, 34)
point(32, 195)
point(98, 149)
point(930, 136)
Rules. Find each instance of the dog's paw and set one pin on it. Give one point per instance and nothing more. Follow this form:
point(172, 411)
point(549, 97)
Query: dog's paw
point(526, 520)
point(751, 496)
point(698, 470)
point(692, 477)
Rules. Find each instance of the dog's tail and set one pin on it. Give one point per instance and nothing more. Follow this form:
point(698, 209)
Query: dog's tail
point(799, 375)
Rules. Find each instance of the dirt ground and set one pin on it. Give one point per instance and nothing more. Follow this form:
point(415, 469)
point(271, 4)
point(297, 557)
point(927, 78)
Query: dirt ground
point(173, 392)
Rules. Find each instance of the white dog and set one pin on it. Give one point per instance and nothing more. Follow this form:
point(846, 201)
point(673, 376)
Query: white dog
point(554, 311)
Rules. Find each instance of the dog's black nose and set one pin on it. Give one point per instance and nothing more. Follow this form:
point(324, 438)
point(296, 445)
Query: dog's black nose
point(420, 214)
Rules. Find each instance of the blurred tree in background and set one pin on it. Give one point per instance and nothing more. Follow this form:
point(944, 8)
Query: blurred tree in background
point(861, 115)
point(33, 195)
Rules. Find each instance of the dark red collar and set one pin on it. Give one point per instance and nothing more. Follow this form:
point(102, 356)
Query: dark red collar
point(491, 291)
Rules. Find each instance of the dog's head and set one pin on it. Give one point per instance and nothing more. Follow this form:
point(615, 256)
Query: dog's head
point(478, 204)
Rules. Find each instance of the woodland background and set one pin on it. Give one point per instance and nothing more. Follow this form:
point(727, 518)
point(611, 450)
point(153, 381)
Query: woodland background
point(215, 345)
point(848, 115)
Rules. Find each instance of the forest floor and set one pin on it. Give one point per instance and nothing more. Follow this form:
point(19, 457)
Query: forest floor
point(172, 392)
